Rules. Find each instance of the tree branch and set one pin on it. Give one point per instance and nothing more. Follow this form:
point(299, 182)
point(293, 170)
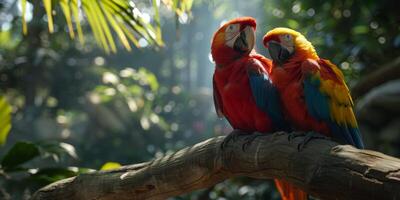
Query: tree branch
point(323, 168)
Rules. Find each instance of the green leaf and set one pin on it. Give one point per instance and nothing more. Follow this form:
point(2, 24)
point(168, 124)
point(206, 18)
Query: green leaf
point(104, 25)
point(57, 149)
point(187, 5)
point(135, 90)
point(117, 28)
point(110, 165)
point(67, 13)
point(20, 153)
point(5, 119)
point(47, 6)
point(151, 79)
point(292, 23)
point(50, 175)
point(123, 16)
point(23, 8)
point(360, 29)
point(131, 16)
point(175, 4)
point(75, 14)
point(95, 25)
point(157, 21)
point(130, 35)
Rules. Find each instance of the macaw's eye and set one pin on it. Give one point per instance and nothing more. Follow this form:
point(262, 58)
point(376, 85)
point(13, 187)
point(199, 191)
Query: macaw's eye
point(287, 37)
point(232, 28)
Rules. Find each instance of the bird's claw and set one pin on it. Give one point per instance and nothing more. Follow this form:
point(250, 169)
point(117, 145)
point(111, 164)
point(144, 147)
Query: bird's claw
point(293, 135)
point(249, 139)
point(231, 137)
point(308, 137)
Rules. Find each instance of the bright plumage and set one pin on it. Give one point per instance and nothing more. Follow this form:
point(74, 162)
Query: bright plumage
point(243, 90)
point(313, 91)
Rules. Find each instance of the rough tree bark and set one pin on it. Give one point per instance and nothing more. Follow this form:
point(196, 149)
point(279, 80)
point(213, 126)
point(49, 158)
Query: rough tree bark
point(323, 168)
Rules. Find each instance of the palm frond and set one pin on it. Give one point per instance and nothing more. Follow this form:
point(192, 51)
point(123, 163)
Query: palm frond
point(108, 19)
point(157, 19)
point(67, 13)
point(23, 7)
point(75, 13)
point(49, 12)
point(5, 119)
point(180, 7)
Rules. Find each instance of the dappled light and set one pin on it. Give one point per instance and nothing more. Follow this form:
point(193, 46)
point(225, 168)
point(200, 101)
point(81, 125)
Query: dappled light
point(89, 85)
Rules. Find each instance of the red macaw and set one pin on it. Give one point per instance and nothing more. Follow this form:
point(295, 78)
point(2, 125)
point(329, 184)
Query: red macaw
point(243, 90)
point(314, 94)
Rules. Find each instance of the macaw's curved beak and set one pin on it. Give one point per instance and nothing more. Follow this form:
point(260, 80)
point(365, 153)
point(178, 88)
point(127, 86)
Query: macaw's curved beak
point(279, 53)
point(245, 42)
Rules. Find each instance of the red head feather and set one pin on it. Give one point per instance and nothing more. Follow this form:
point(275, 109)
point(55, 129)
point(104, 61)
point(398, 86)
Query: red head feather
point(221, 53)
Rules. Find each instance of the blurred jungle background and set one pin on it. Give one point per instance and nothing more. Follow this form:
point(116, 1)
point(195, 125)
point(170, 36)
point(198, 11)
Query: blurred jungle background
point(91, 84)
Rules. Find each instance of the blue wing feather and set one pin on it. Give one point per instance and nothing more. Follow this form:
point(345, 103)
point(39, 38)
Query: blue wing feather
point(318, 107)
point(350, 135)
point(317, 103)
point(356, 135)
point(267, 98)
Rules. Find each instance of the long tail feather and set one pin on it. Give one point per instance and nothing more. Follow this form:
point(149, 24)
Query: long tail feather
point(289, 191)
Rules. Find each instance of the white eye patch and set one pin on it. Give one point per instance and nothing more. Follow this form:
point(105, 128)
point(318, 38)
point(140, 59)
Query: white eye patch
point(232, 31)
point(287, 41)
point(232, 28)
point(287, 37)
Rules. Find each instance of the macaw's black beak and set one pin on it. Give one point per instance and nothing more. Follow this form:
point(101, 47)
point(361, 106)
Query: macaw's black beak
point(240, 44)
point(279, 54)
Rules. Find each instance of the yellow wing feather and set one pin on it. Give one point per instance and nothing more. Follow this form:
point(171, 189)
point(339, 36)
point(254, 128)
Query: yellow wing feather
point(340, 102)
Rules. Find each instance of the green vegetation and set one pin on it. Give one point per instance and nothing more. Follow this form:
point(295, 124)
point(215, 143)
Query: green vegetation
point(82, 97)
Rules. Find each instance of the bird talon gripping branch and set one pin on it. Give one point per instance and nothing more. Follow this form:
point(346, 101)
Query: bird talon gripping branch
point(249, 139)
point(308, 137)
point(233, 136)
point(293, 135)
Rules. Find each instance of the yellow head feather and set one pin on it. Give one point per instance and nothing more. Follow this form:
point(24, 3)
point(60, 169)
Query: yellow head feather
point(303, 48)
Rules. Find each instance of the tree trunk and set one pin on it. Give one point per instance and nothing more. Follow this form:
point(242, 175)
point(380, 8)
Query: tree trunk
point(322, 168)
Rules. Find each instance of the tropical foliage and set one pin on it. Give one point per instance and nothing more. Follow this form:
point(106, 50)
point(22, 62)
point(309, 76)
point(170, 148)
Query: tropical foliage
point(5, 119)
point(122, 16)
point(76, 106)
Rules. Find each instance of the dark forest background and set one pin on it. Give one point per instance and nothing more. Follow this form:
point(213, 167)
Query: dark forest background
point(78, 107)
